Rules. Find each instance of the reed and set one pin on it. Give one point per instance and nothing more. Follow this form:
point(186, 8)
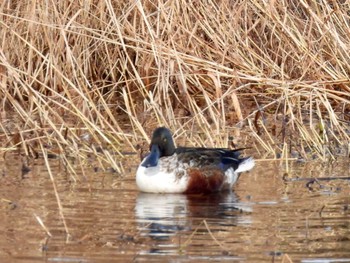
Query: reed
point(90, 81)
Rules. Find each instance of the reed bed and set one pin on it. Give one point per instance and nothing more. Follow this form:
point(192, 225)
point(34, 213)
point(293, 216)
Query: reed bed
point(91, 79)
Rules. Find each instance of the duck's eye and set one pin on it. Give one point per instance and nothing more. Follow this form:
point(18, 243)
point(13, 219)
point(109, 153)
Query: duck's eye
point(164, 139)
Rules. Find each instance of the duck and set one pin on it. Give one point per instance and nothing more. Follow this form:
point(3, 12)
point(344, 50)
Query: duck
point(188, 170)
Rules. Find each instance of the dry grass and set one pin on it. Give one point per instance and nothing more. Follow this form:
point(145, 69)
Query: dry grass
point(75, 78)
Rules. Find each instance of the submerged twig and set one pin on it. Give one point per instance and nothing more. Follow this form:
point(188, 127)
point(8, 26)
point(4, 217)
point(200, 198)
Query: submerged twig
point(298, 179)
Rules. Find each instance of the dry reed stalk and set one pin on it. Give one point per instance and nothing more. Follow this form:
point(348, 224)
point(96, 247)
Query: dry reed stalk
point(60, 207)
point(286, 259)
point(213, 237)
point(41, 223)
point(104, 74)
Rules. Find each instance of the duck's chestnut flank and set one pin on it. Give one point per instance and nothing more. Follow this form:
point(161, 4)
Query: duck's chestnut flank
point(204, 180)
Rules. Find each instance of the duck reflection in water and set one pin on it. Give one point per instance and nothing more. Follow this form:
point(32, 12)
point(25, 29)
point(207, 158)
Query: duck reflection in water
point(161, 216)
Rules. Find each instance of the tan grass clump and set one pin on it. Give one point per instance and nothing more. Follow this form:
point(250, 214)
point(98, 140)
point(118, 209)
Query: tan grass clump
point(77, 78)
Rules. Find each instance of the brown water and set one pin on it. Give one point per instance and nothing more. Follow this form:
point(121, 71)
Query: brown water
point(265, 219)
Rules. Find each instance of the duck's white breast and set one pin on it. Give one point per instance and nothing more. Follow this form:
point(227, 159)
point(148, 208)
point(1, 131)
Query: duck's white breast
point(158, 180)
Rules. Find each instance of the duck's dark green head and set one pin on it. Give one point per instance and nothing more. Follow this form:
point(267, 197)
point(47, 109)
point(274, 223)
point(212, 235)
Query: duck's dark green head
point(162, 144)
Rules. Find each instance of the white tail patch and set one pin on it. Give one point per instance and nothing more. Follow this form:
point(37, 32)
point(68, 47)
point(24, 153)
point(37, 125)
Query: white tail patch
point(246, 165)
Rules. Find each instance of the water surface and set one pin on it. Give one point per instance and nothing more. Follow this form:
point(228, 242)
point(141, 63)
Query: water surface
point(264, 218)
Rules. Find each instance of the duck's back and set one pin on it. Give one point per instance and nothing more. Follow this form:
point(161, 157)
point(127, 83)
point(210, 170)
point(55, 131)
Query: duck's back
point(210, 157)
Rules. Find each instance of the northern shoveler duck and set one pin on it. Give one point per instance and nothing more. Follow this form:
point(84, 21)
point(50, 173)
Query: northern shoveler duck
point(167, 169)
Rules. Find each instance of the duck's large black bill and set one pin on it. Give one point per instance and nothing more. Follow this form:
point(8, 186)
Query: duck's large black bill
point(152, 159)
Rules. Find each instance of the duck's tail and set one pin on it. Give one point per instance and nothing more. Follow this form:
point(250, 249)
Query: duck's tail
point(246, 164)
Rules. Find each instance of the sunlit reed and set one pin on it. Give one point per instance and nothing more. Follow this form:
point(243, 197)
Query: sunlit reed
point(93, 80)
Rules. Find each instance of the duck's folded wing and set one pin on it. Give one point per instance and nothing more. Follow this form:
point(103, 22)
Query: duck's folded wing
point(210, 157)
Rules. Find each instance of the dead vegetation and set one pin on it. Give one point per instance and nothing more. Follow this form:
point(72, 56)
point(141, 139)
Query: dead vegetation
point(93, 80)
